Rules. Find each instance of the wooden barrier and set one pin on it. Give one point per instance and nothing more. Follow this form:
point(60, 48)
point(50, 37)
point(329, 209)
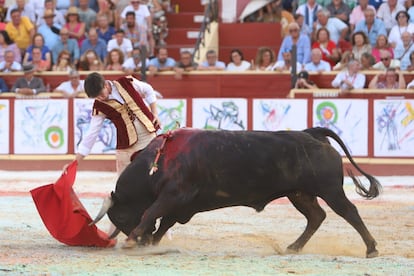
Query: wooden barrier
point(355, 93)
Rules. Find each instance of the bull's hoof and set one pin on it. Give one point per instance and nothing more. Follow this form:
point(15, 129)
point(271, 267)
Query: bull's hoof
point(291, 250)
point(145, 240)
point(129, 243)
point(372, 254)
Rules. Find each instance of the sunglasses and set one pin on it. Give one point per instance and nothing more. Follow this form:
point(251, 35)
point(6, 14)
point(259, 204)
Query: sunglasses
point(385, 59)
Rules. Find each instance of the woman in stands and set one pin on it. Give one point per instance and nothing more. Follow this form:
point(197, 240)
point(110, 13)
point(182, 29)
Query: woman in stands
point(90, 61)
point(74, 25)
point(392, 79)
point(38, 41)
point(403, 25)
point(63, 63)
point(410, 67)
point(107, 8)
point(115, 59)
point(38, 62)
point(346, 57)
point(265, 59)
point(360, 44)
point(381, 44)
point(329, 51)
point(7, 44)
point(237, 62)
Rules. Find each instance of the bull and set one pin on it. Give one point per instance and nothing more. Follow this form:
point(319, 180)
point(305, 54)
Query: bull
point(203, 170)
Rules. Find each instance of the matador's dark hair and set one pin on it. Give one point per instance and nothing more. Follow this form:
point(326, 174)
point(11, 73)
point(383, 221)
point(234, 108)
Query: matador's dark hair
point(94, 83)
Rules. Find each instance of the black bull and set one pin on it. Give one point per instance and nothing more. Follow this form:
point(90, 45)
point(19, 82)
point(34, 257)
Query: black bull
point(201, 170)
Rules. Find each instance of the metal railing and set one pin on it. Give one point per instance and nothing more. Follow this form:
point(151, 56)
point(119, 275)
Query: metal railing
point(210, 15)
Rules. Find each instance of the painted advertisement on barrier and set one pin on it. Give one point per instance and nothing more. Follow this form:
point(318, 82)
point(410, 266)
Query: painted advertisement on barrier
point(280, 114)
point(393, 128)
point(4, 126)
point(346, 117)
point(220, 113)
point(41, 126)
point(172, 113)
point(106, 140)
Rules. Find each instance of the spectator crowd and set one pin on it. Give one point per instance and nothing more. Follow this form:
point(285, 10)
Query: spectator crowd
point(348, 36)
point(67, 36)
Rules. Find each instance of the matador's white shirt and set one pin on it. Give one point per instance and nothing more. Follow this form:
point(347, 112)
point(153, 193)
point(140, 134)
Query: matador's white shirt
point(146, 92)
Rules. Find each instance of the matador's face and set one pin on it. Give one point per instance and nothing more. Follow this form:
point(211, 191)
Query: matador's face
point(105, 91)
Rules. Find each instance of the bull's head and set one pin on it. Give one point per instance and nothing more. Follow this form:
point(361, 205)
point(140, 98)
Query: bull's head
point(125, 217)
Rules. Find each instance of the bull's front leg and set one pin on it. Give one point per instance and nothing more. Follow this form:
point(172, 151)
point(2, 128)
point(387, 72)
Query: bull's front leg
point(166, 223)
point(142, 234)
point(147, 237)
point(139, 237)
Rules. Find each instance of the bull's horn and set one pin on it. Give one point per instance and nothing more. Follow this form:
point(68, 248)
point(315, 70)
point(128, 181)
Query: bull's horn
point(114, 234)
point(107, 203)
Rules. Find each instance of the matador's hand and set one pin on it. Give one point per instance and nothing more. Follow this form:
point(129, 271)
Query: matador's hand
point(156, 122)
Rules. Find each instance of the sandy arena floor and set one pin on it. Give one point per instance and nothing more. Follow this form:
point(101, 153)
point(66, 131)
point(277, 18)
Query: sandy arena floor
point(232, 241)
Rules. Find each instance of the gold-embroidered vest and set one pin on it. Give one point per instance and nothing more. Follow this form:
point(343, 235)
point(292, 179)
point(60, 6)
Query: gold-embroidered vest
point(123, 115)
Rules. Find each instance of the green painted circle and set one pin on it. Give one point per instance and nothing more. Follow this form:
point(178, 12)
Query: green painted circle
point(324, 107)
point(54, 130)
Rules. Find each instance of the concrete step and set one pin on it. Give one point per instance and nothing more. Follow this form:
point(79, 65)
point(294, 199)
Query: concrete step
point(254, 36)
point(184, 20)
point(187, 6)
point(182, 36)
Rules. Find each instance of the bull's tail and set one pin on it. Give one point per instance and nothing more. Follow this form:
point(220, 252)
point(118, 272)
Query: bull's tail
point(374, 187)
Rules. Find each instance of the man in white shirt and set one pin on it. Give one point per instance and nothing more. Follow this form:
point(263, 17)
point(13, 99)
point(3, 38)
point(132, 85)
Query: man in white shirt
point(122, 43)
point(131, 106)
point(72, 87)
point(317, 64)
point(403, 50)
point(337, 29)
point(350, 78)
point(286, 63)
point(386, 61)
point(308, 10)
point(143, 18)
point(212, 62)
point(133, 64)
point(9, 64)
point(142, 12)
